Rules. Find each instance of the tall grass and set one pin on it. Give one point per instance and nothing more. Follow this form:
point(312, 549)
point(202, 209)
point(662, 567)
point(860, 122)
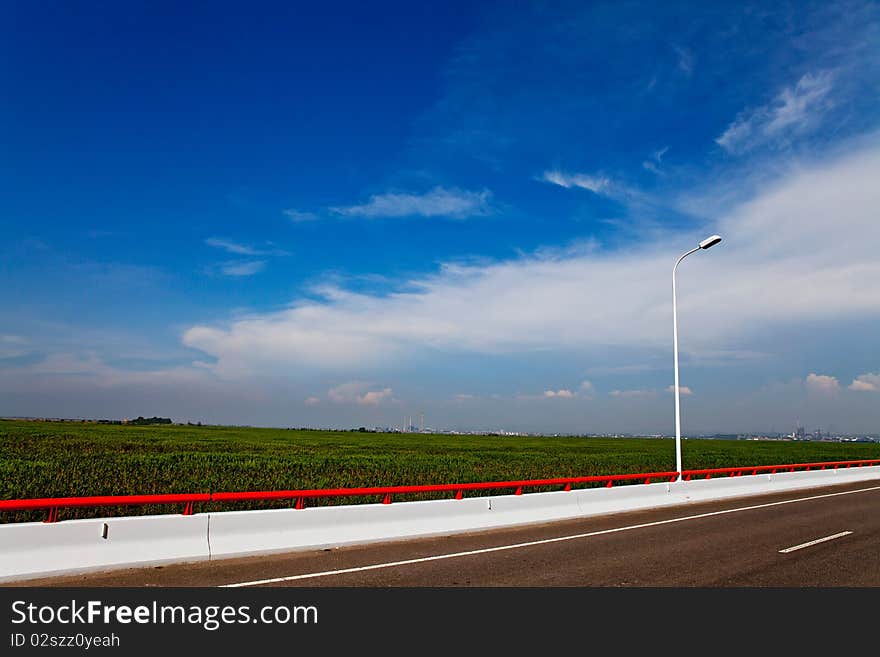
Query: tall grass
point(59, 459)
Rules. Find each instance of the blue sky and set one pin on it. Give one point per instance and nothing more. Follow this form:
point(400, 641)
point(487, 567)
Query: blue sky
point(282, 214)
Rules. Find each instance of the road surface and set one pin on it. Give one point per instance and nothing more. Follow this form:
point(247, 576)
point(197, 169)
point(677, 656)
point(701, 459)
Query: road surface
point(826, 536)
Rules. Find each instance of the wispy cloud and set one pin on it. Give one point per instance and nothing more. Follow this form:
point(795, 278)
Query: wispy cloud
point(12, 346)
point(597, 184)
point(653, 164)
point(243, 268)
point(232, 247)
point(298, 216)
point(685, 60)
point(866, 383)
point(794, 109)
point(242, 249)
point(684, 390)
point(312, 401)
point(438, 202)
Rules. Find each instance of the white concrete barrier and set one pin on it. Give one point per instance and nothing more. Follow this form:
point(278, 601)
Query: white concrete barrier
point(36, 549)
point(698, 490)
point(30, 550)
point(631, 497)
point(238, 533)
point(532, 507)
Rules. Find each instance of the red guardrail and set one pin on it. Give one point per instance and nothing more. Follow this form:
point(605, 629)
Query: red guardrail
point(53, 504)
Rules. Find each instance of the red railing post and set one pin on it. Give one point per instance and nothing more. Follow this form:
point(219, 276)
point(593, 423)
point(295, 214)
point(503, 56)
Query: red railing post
point(518, 490)
point(610, 483)
point(386, 499)
point(188, 509)
point(300, 503)
point(52, 515)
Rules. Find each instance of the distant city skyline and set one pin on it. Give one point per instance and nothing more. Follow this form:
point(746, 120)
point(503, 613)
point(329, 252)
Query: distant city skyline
point(342, 216)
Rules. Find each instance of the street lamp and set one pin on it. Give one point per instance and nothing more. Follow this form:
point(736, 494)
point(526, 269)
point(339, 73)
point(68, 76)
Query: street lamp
point(707, 243)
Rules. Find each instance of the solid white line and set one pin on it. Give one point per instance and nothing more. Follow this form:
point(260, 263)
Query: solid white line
point(515, 546)
point(816, 542)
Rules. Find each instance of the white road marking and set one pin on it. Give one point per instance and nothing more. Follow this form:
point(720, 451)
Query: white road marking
point(516, 546)
point(816, 542)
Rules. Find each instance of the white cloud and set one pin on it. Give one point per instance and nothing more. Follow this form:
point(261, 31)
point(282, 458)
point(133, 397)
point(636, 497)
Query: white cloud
point(243, 268)
point(685, 60)
point(785, 259)
point(232, 247)
point(12, 346)
point(653, 165)
point(243, 249)
point(374, 397)
point(312, 401)
point(596, 184)
point(822, 384)
point(684, 390)
point(298, 216)
point(587, 389)
point(438, 202)
point(866, 383)
point(633, 393)
point(562, 393)
point(358, 392)
point(794, 109)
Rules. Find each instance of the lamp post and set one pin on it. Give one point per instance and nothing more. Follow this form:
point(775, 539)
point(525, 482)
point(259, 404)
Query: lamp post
point(705, 244)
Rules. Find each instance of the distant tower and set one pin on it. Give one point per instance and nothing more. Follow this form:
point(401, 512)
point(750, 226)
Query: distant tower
point(422, 421)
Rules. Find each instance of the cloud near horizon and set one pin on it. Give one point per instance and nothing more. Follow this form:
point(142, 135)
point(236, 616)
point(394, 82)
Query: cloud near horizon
point(822, 383)
point(629, 394)
point(358, 392)
point(561, 394)
point(867, 382)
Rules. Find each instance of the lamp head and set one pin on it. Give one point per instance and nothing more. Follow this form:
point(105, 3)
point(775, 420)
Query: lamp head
point(710, 241)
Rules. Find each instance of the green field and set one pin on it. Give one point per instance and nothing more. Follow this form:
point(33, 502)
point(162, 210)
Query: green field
point(58, 459)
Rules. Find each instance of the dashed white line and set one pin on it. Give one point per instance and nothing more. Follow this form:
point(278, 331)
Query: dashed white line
point(558, 539)
point(816, 542)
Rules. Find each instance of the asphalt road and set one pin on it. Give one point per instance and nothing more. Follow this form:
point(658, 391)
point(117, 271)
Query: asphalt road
point(826, 536)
